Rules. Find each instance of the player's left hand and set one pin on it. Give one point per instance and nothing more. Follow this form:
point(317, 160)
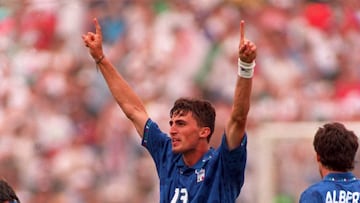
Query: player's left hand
point(247, 49)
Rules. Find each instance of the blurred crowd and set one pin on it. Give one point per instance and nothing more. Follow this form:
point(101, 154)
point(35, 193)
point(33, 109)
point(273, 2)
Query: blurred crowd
point(63, 139)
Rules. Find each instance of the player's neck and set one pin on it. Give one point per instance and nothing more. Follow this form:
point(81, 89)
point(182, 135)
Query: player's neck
point(192, 157)
point(325, 171)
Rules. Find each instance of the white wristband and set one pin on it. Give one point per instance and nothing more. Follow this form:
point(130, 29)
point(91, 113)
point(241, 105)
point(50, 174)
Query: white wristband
point(245, 70)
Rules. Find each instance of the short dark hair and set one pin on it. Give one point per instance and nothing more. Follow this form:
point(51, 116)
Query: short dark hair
point(7, 193)
point(202, 111)
point(336, 146)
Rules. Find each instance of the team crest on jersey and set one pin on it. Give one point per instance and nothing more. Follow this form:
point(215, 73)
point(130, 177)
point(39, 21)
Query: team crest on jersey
point(200, 174)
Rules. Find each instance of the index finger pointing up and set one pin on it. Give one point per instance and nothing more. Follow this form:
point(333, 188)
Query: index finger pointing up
point(97, 27)
point(242, 31)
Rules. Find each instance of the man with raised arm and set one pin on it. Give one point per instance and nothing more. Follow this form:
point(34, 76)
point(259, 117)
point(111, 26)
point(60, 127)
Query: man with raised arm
point(188, 168)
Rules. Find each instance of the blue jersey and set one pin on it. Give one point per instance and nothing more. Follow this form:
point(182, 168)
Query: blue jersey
point(334, 188)
point(217, 177)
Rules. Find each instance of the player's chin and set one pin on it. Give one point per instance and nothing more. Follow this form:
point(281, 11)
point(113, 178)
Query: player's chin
point(176, 149)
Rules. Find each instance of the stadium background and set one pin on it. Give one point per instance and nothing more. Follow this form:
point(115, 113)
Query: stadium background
point(64, 140)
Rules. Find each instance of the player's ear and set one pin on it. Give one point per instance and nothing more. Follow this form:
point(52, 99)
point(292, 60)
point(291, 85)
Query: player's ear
point(204, 132)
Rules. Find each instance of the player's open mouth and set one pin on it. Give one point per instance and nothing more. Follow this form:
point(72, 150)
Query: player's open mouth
point(175, 142)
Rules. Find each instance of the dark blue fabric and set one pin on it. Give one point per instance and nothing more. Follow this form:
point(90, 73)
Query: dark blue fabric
point(333, 188)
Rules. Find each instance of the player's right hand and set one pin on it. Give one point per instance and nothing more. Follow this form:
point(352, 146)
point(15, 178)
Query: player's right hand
point(94, 41)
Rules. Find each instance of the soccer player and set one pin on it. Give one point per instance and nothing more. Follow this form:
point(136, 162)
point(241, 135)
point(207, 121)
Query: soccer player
point(7, 194)
point(188, 168)
point(335, 148)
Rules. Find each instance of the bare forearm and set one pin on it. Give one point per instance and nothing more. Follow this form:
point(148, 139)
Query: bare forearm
point(128, 100)
point(235, 128)
point(241, 103)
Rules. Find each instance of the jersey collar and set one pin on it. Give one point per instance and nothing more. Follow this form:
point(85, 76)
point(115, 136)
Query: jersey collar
point(340, 177)
point(199, 164)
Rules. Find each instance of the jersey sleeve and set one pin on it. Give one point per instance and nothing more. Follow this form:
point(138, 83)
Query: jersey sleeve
point(156, 142)
point(309, 196)
point(234, 161)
